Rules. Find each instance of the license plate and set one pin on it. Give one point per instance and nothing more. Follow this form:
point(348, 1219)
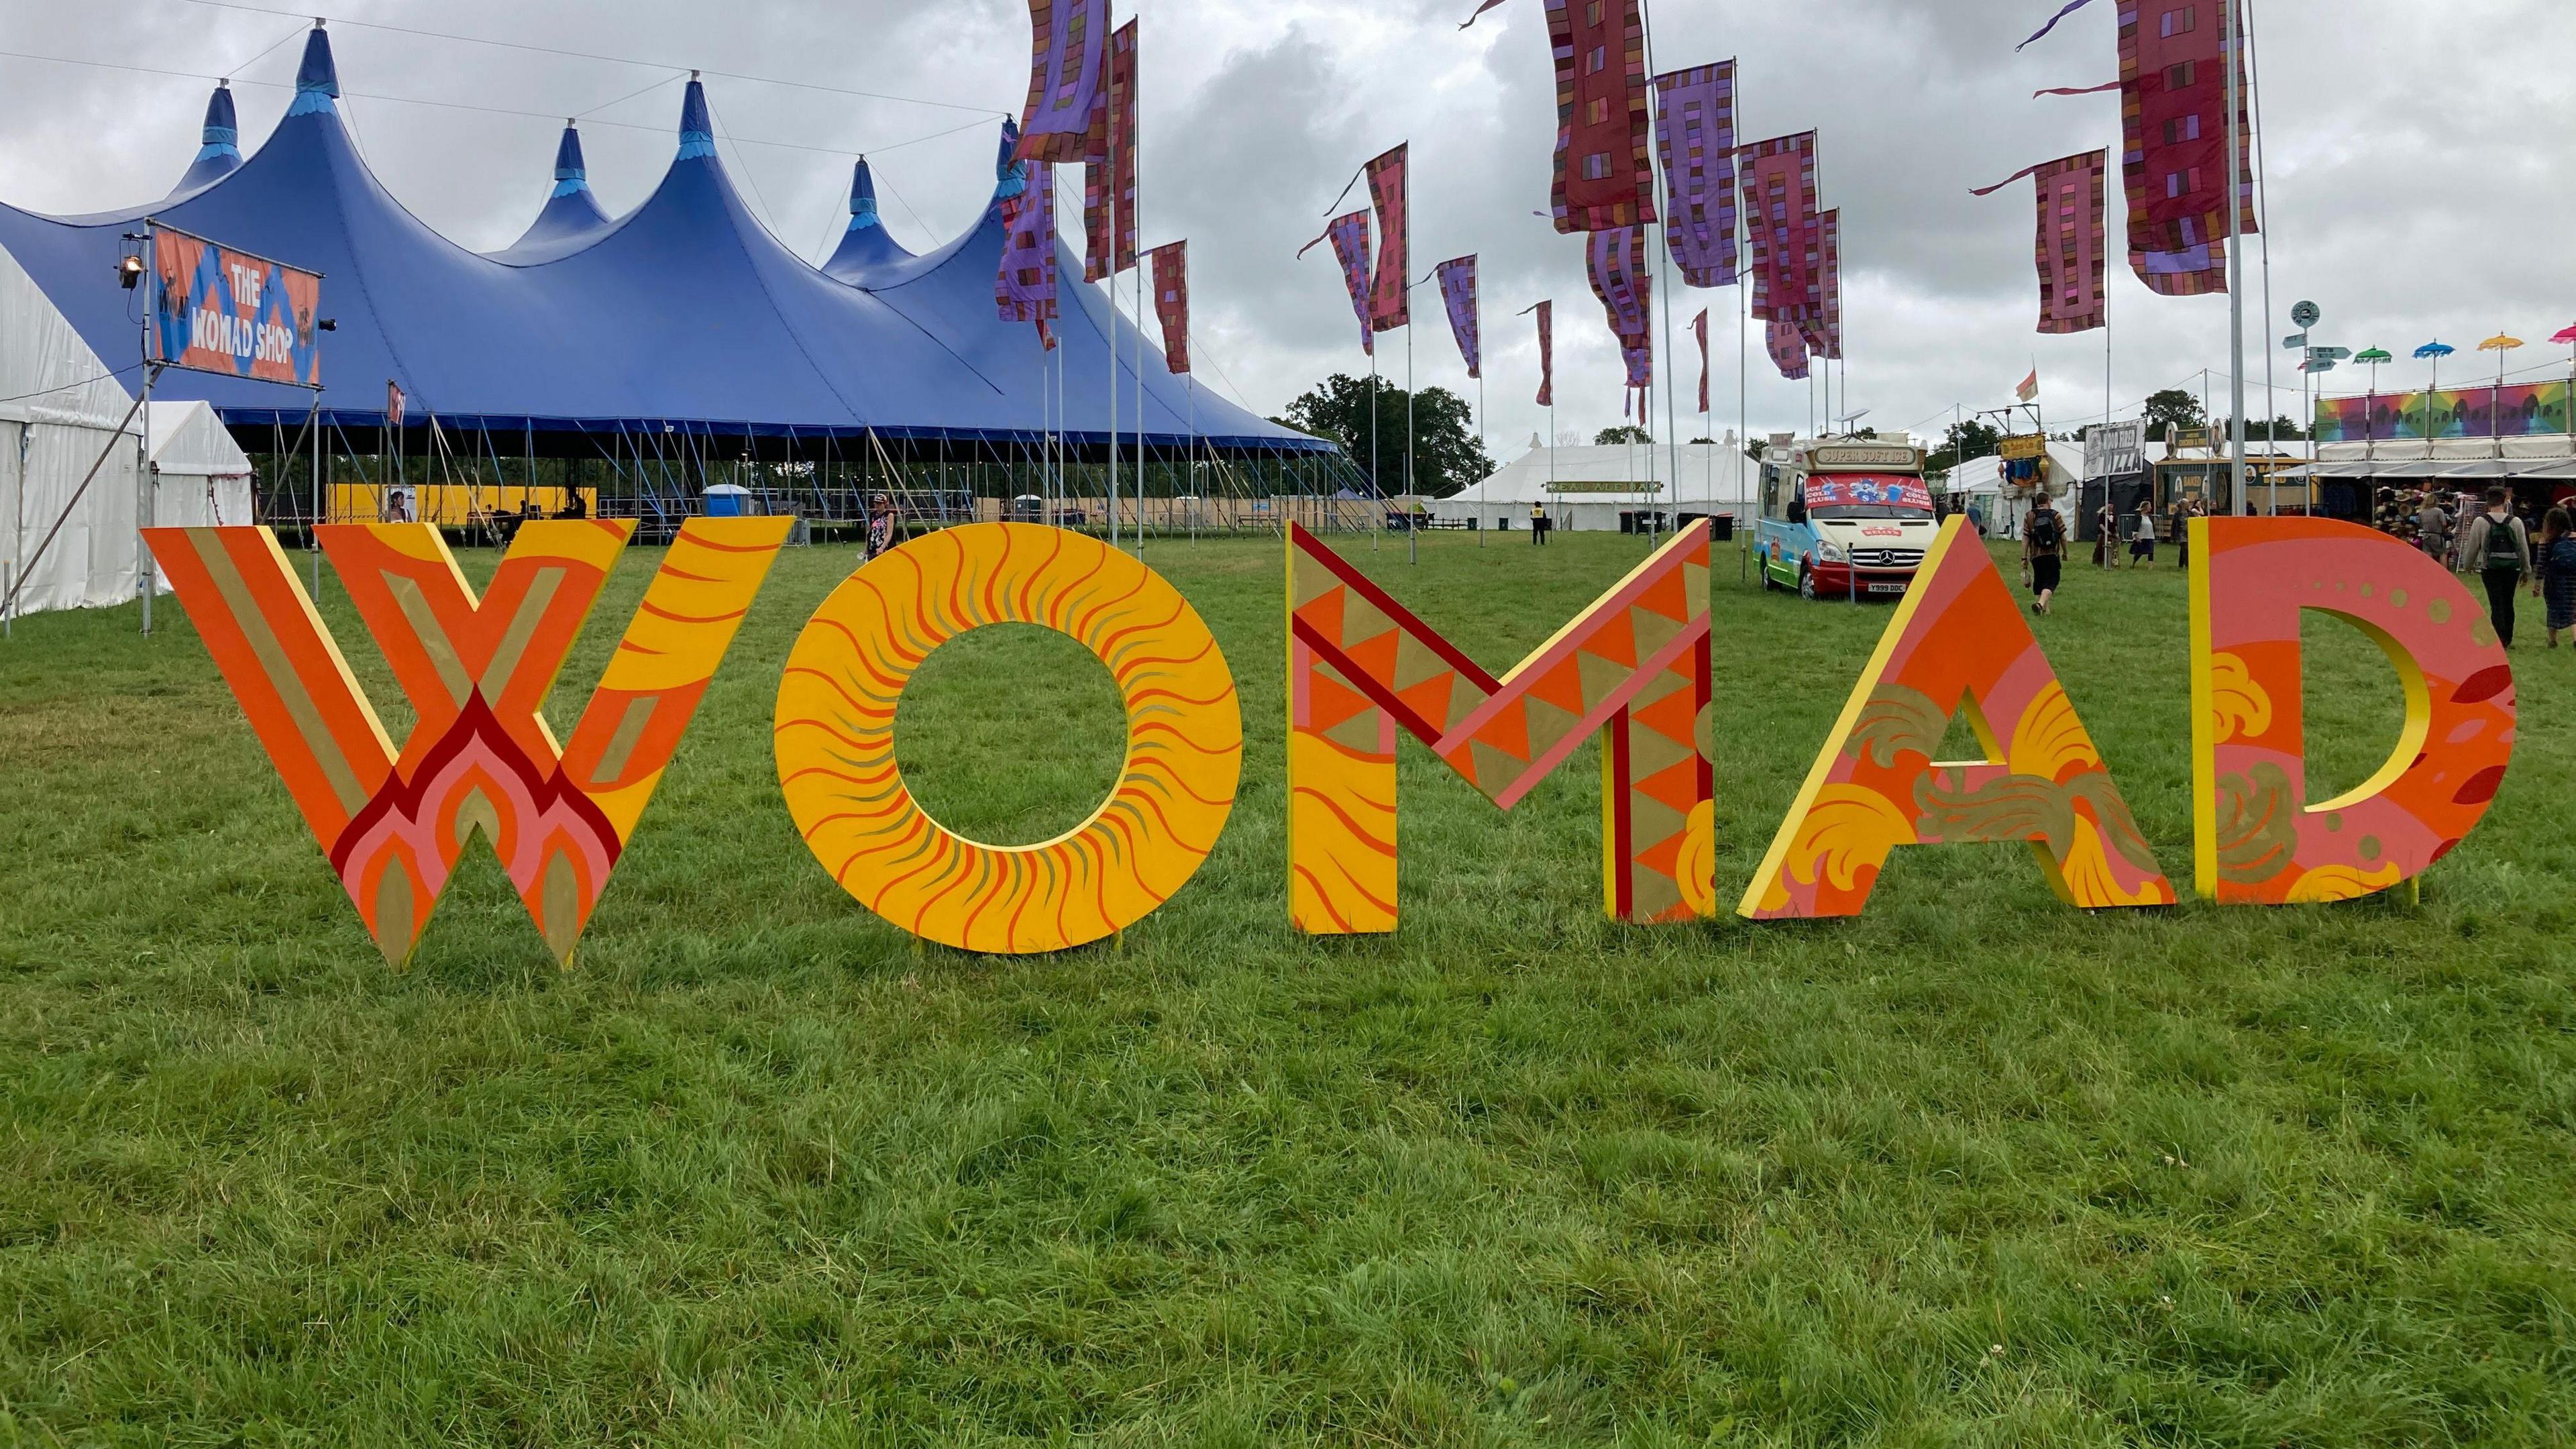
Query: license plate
point(1887, 588)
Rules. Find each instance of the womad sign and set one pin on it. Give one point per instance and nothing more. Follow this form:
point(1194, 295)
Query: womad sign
point(1631, 672)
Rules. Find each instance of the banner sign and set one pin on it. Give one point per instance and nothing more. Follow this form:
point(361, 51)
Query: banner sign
point(1458, 294)
point(1024, 289)
point(1068, 61)
point(1695, 134)
point(1546, 356)
point(1605, 171)
point(1171, 264)
point(1699, 329)
point(2071, 240)
point(1620, 279)
point(2173, 123)
point(1824, 333)
point(1851, 492)
point(2525, 410)
point(2022, 446)
point(1786, 345)
point(219, 310)
point(1779, 180)
point(2115, 450)
point(1349, 235)
point(1391, 296)
point(1109, 170)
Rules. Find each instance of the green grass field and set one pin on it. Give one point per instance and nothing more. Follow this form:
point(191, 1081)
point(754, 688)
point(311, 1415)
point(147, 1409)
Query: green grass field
point(1972, 1170)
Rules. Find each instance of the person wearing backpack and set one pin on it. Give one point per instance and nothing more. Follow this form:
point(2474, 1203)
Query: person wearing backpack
point(2043, 553)
point(2500, 547)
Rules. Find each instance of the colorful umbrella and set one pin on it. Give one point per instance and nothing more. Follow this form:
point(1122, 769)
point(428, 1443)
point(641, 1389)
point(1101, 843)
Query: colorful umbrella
point(2566, 338)
point(2500, 343)
point(2376, 355)
point(2434, 350)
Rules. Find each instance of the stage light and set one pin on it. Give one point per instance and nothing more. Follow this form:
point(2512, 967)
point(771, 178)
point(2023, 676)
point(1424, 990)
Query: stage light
point(129, 273)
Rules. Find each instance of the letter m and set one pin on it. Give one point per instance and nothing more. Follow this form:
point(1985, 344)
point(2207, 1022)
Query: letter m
point(1633, 669)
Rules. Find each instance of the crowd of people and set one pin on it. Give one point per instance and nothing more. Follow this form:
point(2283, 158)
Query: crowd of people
point(2496, 538)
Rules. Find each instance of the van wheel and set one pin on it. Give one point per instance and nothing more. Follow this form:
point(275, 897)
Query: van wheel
point(1770, 585)
point(1807, 585)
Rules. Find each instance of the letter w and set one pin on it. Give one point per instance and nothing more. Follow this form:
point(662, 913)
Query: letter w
point(1633, 668)
point(477, 671)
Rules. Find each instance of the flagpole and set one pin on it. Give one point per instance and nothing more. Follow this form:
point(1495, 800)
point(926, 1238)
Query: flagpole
point(1111, 290)
point(2263, 238)
point(1412, 534)
point(2231, 34)
point(1136, 89)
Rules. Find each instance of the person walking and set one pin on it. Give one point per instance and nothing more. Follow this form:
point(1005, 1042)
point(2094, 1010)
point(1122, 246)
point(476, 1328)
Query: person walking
point(2106, 527)
point(2556, 556)
point(2499, 547)
point(2142, 536)
point(2184, 511)
point(2433, 529)
point(1538, 525)
point(2043, 554)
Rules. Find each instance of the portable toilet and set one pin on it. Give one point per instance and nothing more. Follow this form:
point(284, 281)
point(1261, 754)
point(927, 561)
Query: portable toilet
point(731, 500)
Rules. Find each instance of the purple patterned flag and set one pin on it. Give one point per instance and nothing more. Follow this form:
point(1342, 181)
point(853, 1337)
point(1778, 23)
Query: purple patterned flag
point(1025, 287)
point(1695, 132)
point(2072, 240)
point(1788, 346)
point(1068, 59)
point(1391, 297)
point(1605, 168)
point(1171, 264)
point(1109, 178)
point(1620, 279)
point(2173, 122)
point(1779, 180)
point(1350, 238)
point(1458, 291)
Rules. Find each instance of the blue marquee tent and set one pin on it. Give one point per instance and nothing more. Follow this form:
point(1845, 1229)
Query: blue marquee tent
point(683, 315)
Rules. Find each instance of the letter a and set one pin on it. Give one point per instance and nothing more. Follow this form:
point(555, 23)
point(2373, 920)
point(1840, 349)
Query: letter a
point(1958, 643)
point(477, 671)
point(1632, 668)
point(2258, 840)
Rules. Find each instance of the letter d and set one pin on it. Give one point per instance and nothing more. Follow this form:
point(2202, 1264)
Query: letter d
point(2258, 840)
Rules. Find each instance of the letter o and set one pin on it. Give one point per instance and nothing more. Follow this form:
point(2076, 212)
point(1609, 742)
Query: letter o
point(834, 740)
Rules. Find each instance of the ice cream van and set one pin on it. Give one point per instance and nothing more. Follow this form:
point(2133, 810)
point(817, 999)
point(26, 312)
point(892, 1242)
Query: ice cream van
point(1844, 518)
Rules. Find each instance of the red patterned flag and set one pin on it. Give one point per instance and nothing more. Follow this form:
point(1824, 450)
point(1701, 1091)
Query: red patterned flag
point(2173, 121)
point(1605, 173)
point(2072, 240)
point(1779, 180)
point(1171, 263)
point(1350, 238)
point(1695, 133)
point(1025, 287)
point(1824, 332)
point(1391, 298)
point(1068, 58)
point(1458, 293)
point(1700, 329)
point(1546, 351)
point(1112, 165)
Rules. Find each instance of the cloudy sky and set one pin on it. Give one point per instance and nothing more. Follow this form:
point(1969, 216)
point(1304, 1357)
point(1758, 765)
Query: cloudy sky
point(2422, 161)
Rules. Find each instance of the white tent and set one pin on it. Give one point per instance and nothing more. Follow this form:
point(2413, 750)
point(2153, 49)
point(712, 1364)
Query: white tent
point(60, 409)
point(201, 477)
point(1588, 488)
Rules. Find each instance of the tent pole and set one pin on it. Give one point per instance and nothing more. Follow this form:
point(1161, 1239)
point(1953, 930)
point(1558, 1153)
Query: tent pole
point(313, 535)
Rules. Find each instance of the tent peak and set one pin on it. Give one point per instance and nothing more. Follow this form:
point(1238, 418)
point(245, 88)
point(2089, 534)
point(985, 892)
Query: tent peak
point(571, 175)
point(1011, 177)
point(317, 79)
point(222, 135)
point(697, 132)
point(863, 197)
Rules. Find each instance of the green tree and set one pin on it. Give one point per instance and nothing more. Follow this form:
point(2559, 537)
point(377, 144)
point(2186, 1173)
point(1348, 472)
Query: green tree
point(1621, 435)
point(1967, 441)
point(1447, 454)
point(2170, 409)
